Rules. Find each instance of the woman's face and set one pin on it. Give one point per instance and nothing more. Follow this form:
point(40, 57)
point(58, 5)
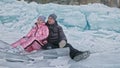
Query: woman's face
point(51, 20)
point(39, 21)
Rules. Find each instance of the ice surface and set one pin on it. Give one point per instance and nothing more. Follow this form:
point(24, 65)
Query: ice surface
point(93, 27)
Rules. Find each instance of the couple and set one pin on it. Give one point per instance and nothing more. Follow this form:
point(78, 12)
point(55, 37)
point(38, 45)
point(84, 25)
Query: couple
point(48, 35)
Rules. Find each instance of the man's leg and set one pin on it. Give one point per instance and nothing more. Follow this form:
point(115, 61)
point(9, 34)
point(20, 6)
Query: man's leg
point(73, 51)
point(49, 46)
point(77, 55)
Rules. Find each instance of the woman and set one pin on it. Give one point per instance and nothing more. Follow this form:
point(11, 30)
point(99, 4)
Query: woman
point(36, 38)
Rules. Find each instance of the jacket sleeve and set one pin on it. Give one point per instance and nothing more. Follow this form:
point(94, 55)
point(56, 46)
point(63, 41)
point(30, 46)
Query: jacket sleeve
point(61, 34)
point(45, 33)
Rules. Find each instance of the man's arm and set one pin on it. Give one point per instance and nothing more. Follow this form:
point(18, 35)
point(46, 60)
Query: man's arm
point(63, 39)
point(62, 34)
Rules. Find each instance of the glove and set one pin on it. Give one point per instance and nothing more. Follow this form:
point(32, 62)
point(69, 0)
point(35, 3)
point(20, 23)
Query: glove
point(62, 43)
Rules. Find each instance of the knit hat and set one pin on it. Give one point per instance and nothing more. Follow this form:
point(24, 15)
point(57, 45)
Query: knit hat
point(53, 16)
point(42, 18)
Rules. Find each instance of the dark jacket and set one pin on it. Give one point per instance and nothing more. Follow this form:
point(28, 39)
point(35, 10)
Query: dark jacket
point(56, 33)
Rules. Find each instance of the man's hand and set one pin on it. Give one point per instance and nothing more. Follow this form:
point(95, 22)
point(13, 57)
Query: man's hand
point(62, 43)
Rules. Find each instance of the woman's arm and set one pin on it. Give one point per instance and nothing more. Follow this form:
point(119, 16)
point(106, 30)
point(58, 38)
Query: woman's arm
point(30, 33)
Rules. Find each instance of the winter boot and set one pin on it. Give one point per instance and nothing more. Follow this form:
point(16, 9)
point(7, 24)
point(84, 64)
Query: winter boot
point(16, 50)
point(81, 56)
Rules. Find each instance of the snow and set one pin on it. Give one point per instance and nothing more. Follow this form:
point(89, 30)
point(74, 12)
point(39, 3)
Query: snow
point(93, 27)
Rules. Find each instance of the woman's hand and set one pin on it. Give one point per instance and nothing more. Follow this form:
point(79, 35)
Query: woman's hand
point(45, 42)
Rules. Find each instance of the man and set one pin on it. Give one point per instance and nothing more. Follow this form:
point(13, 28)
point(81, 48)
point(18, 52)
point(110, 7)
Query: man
point(57, 39)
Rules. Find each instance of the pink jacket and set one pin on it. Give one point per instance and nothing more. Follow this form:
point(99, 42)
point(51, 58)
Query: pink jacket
point(39, 33)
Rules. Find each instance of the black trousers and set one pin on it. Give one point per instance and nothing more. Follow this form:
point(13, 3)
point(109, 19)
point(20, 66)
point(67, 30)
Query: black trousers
point(73, 51)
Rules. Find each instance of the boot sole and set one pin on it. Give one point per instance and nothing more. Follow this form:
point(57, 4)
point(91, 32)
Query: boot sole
point(82, 56)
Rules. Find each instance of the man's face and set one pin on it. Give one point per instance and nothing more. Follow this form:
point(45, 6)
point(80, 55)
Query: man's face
point(51, 20)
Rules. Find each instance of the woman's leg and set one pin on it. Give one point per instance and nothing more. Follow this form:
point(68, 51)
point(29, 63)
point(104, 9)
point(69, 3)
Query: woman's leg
point(19, 42)
point(35, 45)
point(29, 49)
point(28, 42)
